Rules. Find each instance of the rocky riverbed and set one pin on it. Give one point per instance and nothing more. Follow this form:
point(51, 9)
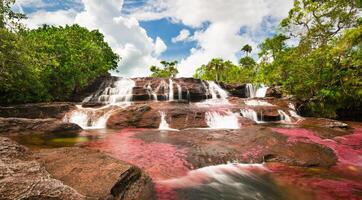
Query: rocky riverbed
point(151, 138)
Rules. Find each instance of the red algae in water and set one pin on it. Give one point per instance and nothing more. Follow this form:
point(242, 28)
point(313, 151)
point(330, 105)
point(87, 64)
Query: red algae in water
point(344, 147)
point(160, 160)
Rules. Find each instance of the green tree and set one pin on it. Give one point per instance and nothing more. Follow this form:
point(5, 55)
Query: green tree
point(168, 70)
point(9, 18)
point(247, 49)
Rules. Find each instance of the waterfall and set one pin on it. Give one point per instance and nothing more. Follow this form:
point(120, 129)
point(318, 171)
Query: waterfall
point(121, 93)
point(261, 92)
point(250, 114)
point(96, 118)
point(216, 90)
point(218, 120)
point(257, 103)
point(163, 124)
point(170, 90)
point(284, 117)
point(179, 91)
point(89, 118)
point(295, 115)
point(252, 91)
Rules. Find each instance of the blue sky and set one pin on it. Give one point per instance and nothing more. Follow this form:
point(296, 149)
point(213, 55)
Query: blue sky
point(144, 32)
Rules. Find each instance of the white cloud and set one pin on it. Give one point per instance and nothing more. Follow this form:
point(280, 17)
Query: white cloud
point(124, 34)
point(183, 36)
point(221, 36)
point(61, 17)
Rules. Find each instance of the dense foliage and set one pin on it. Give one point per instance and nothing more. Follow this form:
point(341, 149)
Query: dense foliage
point(323, 67)
point(168, 70)
point(49, 63)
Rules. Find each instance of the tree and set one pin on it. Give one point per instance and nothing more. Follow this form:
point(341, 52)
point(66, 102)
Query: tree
point(51, 63)
point(9, 18)
point(247, 62)
point(168, 70)
point(247, 49)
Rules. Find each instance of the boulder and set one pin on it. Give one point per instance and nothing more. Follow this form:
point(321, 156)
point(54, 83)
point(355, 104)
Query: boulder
point(96, 175)
point(37, 110)
point(274, 92)
point(23, 125)
point(235, 90)
point(24, 178)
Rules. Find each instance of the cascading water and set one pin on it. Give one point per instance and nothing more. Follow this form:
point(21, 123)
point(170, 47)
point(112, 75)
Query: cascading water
point(227, 181)
point(121, 93)
point(284, 117)
point(250, 114)
point(96, 118)
point(170, 90)
point(215, 91)
point(252, 91)
point(179, 91)
point(163, 124)
point(222, 120)
point(261, 92)
point(257, 103)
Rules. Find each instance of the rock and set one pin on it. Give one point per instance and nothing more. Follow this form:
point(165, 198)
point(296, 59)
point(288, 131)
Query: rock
point(322, 122)
point(273, 92)
point(96, 175)
point(235, 90)
point(21, 125)
point(93, 88)
point(24, 178)
point(38, 110)
point(136, 116)
point(251, 144)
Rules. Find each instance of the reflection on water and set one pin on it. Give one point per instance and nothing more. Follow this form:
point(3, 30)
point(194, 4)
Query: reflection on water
point(60, 139)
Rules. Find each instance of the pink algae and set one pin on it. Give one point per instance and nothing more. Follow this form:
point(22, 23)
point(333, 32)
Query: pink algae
point(348, 149)
point(160, 160)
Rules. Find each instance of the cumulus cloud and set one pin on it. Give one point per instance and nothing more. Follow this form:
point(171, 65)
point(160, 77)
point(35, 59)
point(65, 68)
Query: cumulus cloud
point(124, 34)
point(183, 36)
point(218, 24)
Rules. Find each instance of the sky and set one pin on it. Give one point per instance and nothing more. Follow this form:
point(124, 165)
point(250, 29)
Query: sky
point(144, 32)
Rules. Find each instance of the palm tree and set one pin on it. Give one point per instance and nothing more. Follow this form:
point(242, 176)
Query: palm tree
point(247, 49)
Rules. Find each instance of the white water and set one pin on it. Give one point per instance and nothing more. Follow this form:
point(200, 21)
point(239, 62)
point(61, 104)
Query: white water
point(291, 106)
point(257, 103)
point(170, 90)
point(295, 115)
point(219, 120)
point(163, 124)
point(216, 90)
point(252, 91)
point(96, 118)
point(250, 114)
point(284, 116)
point(89, 118)
point(226, 181)
point(179, 91)
point(122, 92)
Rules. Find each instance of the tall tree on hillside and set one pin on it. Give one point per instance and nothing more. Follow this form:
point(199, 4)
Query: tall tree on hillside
point(247, 49)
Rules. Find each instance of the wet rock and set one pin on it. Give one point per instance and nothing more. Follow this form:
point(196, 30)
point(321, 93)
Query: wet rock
point(322, 122)
point(95, 86)
point(21, 177)
point(252, 144)
point(136, 116)
point(37, 111)
point(95, 174)
point(274, 92)
point(235, 90)
point(20, 125)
